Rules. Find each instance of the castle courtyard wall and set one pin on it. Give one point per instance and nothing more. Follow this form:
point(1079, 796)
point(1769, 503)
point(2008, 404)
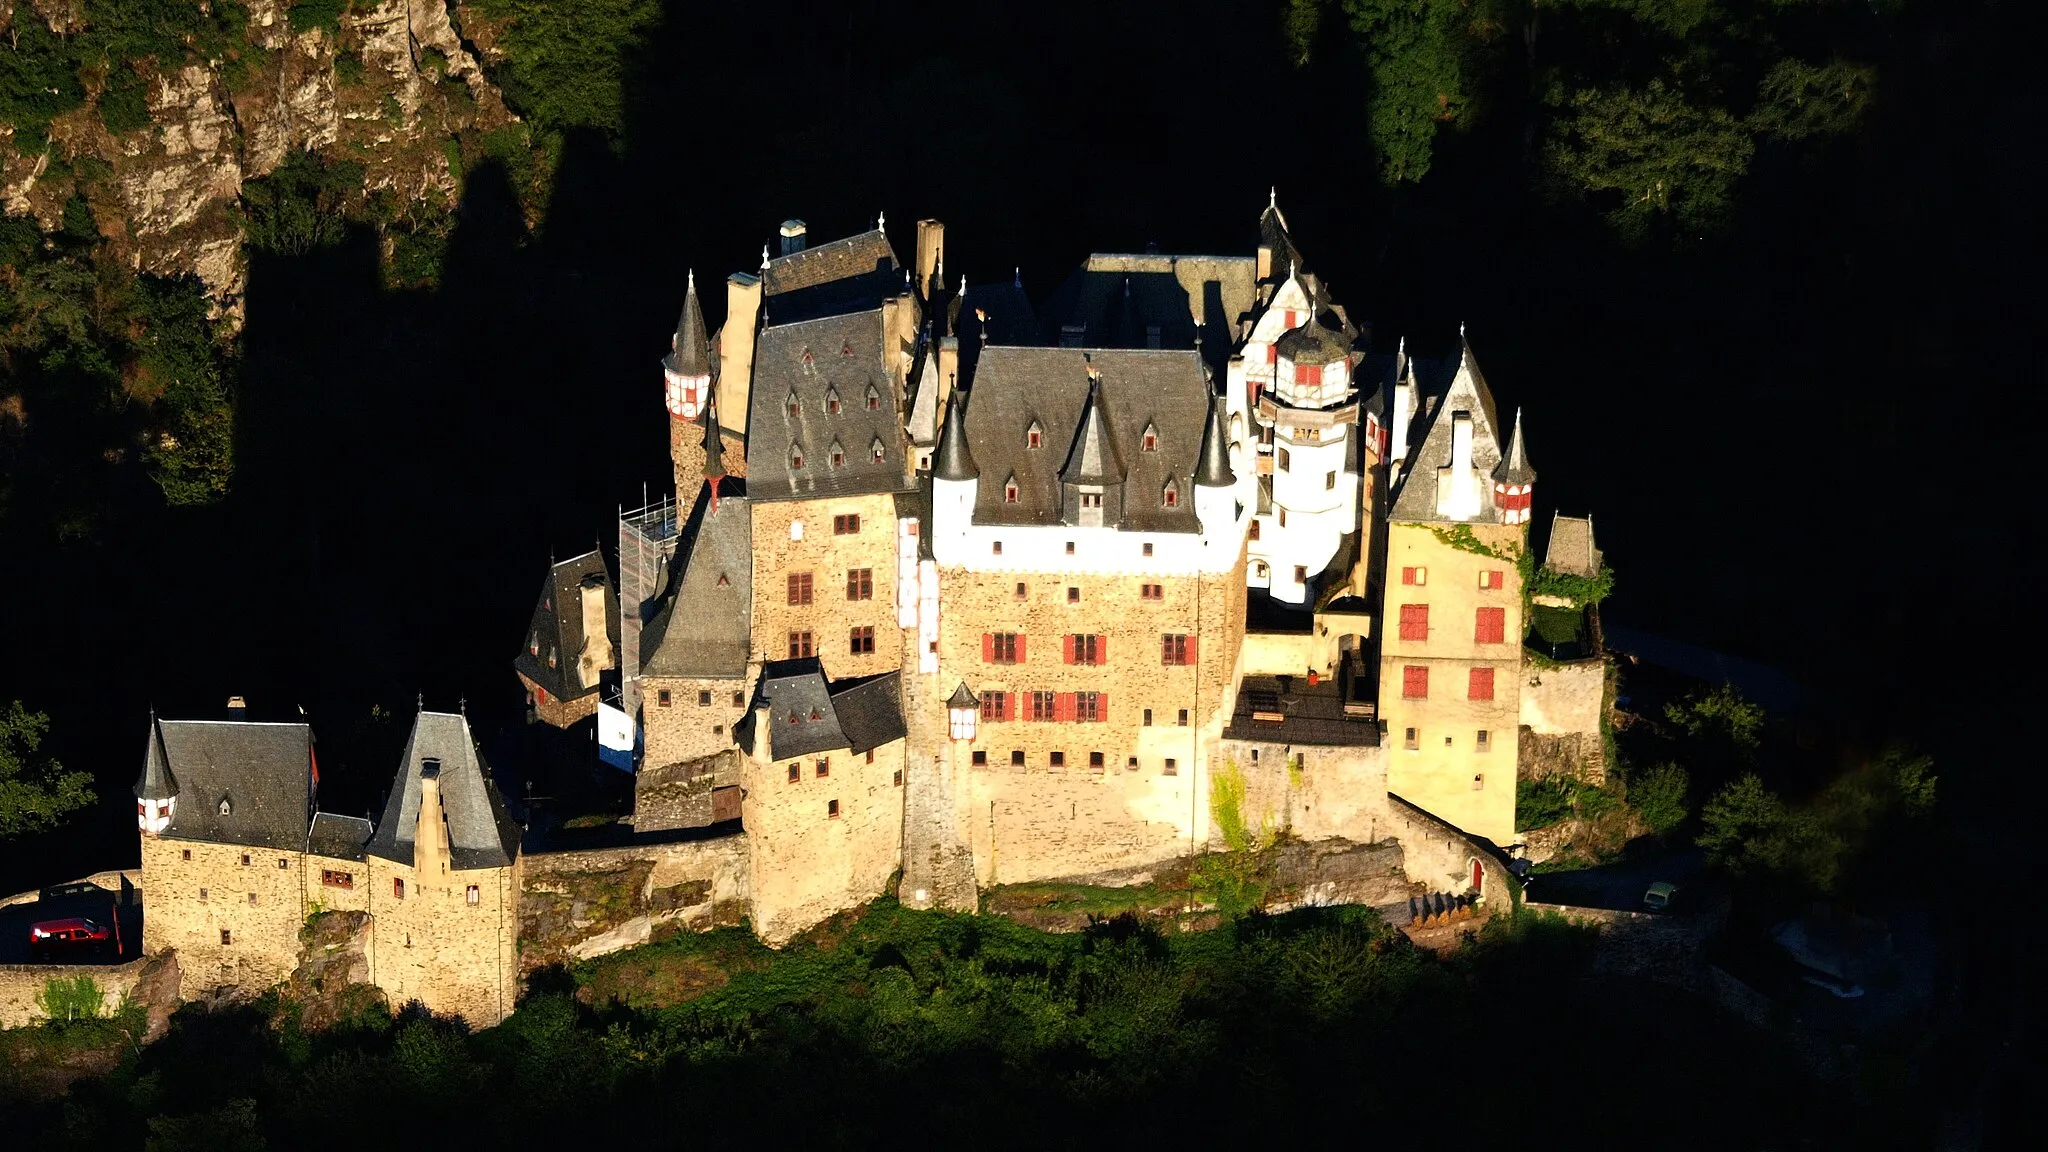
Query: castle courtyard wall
point(577, 904)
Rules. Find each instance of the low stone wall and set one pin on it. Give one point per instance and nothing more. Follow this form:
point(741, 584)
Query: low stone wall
point(20, 984)
point(125, 881)
point(1439, 856)
point(1561, 710)
point(577, 904)
point(1326, 872)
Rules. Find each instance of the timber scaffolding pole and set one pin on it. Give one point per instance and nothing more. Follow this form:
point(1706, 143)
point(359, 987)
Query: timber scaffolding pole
point(646, 543)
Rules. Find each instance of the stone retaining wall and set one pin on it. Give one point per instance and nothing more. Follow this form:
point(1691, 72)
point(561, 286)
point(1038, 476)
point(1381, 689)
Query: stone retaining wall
point(574, 905)
point(20, 983)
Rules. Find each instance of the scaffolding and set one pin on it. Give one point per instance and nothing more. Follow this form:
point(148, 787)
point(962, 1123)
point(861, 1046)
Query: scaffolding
point(647, 546)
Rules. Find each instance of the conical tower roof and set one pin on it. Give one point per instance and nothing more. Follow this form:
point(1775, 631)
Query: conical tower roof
point(1212, 470)
point(954, 461)
point(156, 782)
point(692, 346)
point(1514, 467)
point(714, 441)
point(962, 697)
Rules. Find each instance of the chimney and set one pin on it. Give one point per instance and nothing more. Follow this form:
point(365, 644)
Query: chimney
point(792, 237)
point(931, 243)
point(597, 656)
point(1457, 486)
point(736, 349)
point(949, 368)
point(430, 836)
point(237, 708)
point(764, 721)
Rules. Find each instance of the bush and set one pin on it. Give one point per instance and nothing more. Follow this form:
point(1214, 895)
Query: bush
point(306, 15)
point(124, 105)
point(66, 998)
point(1659, 797)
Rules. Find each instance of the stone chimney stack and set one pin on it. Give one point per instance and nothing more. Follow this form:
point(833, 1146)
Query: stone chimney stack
point(1457, 486)
point(763, 750)
point(430, 836)
point(931, 243)
point(238, 709)
point(736, 348)
point(597, 656)
point(792, 237)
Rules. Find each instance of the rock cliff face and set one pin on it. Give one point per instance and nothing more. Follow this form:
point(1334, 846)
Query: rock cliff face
point(395, 90)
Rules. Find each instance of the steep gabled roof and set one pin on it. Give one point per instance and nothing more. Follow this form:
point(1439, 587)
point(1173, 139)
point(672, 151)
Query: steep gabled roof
point(1416, 500)
point(954, 461)
point(870, 712)
point(849, 275)
point(557, 627)
point(1115, 299)
point(805, 360)
point(1571, 549)
point(808, 715)
point(261, 770)
point(1092, 458)
point(156, 783)
point(481, 832)
point(702, 627)
point(341, 837)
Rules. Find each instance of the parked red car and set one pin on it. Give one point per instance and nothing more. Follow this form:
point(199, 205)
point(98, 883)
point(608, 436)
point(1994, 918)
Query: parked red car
point(75, 936)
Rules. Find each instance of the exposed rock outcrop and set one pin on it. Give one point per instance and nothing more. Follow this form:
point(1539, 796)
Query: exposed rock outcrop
point(332, 982)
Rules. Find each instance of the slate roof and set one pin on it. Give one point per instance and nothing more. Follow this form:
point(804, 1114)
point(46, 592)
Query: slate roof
point(1001, 311)
point(1300, 714)
point(1117, 297)
point(809, 716)
point(1514, 467)
point(1015, 387)
point(1571, 549)
point(870, 712)
point(954, 460)
point(557, 626)
point(689, 350)
point(812, 359)
point(703, 625)
point(834, 278)
point(342, 837)
point(262, 770)
point(1466, 392)
point(480, 831)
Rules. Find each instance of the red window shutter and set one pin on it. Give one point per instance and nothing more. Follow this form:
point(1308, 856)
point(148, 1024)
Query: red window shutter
point(1102, 706)
point(1480, 686)
point(1020, 647)
point(1101, 649)
point(1415, 682)
point(1010, 705)
point(1067, 646)
point(1191, 649)
point(1273, 353)
point(1407, 575)
point(988, 647)
point(1491, 626)
point(1414, 621)
point(1063, 707)
point(1308, 373)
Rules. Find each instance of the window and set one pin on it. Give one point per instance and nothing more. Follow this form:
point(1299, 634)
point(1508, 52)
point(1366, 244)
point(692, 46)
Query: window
point(718, 729)
point(252, 899)
point(876, 450)
point(793, 406)
point(1415, 682)
point(796, 773)
point(1301, 573)
point(1152, 334)
point(1485, 741)
point(1091, 501)
point(552, 656)
point(1414, 621)
point(1255, 755)
point(898, 781)
point(1171, 497)
point(995, 705)
point(838, 455)
point(283, 863)
point(1034, 436)
point(846, 525)
point(703, 697)
point(995, 548)
point(1176, 648)
point(1280, 515)
point(1095, 761)
point(799, 587)
point(1172, 767)
point(796, 456)
point(1329, 481)
point(871, 755)
point(800, 645)
point(1023, 590)
point(831, 809)
point(1148, 717)
point(1417, 576)
point(1412, 740)
point(1016, 757)
point(1479, 684)
point(333, 879)
point(1146, 549)
point(1073, 595)
point(1132, 764)
point(1152, 591)
point(874, 399)
point(202, 895)
point(397, 888)
point(1043, 706)
point(1058, 759)
point(475, 896)
point(824, 768)
point(1084, 649)
point(980, 759)
point(1255, 528)
point(1183, 717)
point(1088, 707)
point(226, 937)
point(1308, 374)
point(832, 401)
point(245, 859)
point(1002, 647)
point(1070, 547)
point(796, 529)
point(1491, 626)
point(1150, 443)
point(738, 700)
point(1285, 459)
point(1492, 580)
point(861, 641)
point(860, 583)
point(188, 853)
point(1478, 781)
point(664, 698)
point(1009, 497)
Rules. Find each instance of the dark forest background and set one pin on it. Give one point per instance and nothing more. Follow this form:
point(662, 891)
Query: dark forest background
point(1799, 415)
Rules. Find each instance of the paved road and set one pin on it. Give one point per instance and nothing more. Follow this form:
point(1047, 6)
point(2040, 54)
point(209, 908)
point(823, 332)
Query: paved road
point(99, 905)
point(1620, 885)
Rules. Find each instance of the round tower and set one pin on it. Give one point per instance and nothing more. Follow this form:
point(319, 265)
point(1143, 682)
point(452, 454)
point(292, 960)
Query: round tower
point(1514, 482)
point(156, 794)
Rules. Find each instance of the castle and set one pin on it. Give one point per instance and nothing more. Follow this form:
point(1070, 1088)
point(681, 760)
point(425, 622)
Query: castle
point(982, 596)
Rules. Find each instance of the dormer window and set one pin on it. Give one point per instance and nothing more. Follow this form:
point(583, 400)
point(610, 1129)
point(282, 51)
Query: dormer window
point(226, 808)
point(1010, 490)
point(1151, 441)
point(846, 348)
point(874, 399)
point(552, 653)
point(533, 644)
point(796, 456)
point(832, 401)
point(794, 406)
point(808, 358)
point(878, 449)
point(837, 455)
point(723, 582)
point(1034, 436)
point(1171, 497)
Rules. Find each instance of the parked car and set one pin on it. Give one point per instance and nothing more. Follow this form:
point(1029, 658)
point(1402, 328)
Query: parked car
point(1833, 986)
point(76, 936)
point(1661, 896)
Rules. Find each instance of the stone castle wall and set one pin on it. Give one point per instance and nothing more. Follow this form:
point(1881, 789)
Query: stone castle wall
point(697, 720)
point(435, 946)
point(579, 904)
point(190, 903)
point(827, 557)
point(1312, 792)
point(810, 859)
point(1562, 707)
point(21, 983)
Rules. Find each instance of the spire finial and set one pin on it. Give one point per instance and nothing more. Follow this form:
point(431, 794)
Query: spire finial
point(1273, 196)
point(881, 221)
point(462, 705)
point(1461, 331)
point(1017, 276)
point(693, 280)
point(963, 284)
point(764, 257)
point(420, 702)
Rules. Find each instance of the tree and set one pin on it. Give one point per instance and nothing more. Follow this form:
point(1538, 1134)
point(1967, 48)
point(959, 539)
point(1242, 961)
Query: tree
point(566, 64)
point(35, 793)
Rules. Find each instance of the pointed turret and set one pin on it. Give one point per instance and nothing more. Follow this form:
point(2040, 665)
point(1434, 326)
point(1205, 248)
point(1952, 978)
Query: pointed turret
point(1212, 470)
point(1093, 459)
point(692, 347)
point(714, 447)
point(1514, 481)
point(953, 461)
point(156, 783)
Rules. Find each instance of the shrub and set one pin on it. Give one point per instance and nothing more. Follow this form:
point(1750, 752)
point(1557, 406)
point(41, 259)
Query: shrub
point(124, 105)
point(306, 15)
point(68, 998)
point(1659, 797)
